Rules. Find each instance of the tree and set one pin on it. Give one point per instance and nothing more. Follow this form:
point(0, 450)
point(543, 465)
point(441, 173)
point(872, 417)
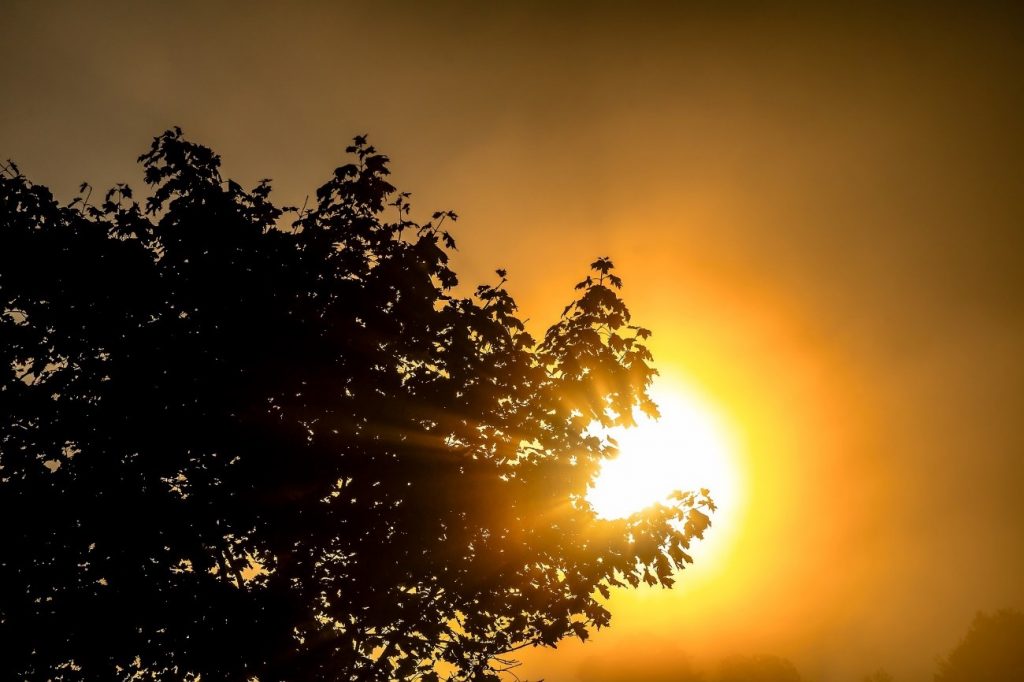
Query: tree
point(992, 650)
point(238, 445)
point(757, 669)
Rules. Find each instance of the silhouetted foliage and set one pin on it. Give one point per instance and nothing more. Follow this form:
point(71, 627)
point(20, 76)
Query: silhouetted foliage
point(878, 676)
point(240, 445)
point(992, 650)
point(757, 669)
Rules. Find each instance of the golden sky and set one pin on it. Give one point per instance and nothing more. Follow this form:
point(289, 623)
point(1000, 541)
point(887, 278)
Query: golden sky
point(819, 212)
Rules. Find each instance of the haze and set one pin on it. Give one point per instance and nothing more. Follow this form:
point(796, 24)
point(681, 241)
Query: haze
point(818, 212)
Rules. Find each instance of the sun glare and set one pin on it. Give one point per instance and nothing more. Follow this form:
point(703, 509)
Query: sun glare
point(687, 449)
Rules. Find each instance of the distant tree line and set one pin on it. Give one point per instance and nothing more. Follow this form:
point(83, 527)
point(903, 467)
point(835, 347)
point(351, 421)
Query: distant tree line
point(991, 651)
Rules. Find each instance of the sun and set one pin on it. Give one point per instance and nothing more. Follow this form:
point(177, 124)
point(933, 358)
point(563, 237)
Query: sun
point(689, 448)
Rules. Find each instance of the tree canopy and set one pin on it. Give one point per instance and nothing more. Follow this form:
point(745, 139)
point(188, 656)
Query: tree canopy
point(758, 668)
point(991, 651)
point(244, 441)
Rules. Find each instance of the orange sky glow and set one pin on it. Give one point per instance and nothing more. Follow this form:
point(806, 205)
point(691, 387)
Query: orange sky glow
point(817, 212)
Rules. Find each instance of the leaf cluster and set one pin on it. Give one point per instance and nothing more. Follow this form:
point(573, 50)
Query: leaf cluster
point(249, 441)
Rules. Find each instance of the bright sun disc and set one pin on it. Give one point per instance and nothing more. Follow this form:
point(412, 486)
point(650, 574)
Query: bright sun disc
point(689, 448)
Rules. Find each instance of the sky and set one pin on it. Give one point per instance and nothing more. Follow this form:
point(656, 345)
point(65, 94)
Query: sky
point(819, 211)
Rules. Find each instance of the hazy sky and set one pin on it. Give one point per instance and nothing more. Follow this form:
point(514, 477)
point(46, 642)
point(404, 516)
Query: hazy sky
point(819, 212)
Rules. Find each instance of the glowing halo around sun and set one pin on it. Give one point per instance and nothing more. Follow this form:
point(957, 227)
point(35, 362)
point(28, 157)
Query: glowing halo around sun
point(689, 448)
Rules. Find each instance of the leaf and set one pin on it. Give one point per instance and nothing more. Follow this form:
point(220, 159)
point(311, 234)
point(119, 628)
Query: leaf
point(585, 283)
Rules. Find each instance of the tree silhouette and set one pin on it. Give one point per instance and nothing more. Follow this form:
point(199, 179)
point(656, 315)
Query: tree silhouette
point(238, 445)
point(992, 650)
point(757, 669)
